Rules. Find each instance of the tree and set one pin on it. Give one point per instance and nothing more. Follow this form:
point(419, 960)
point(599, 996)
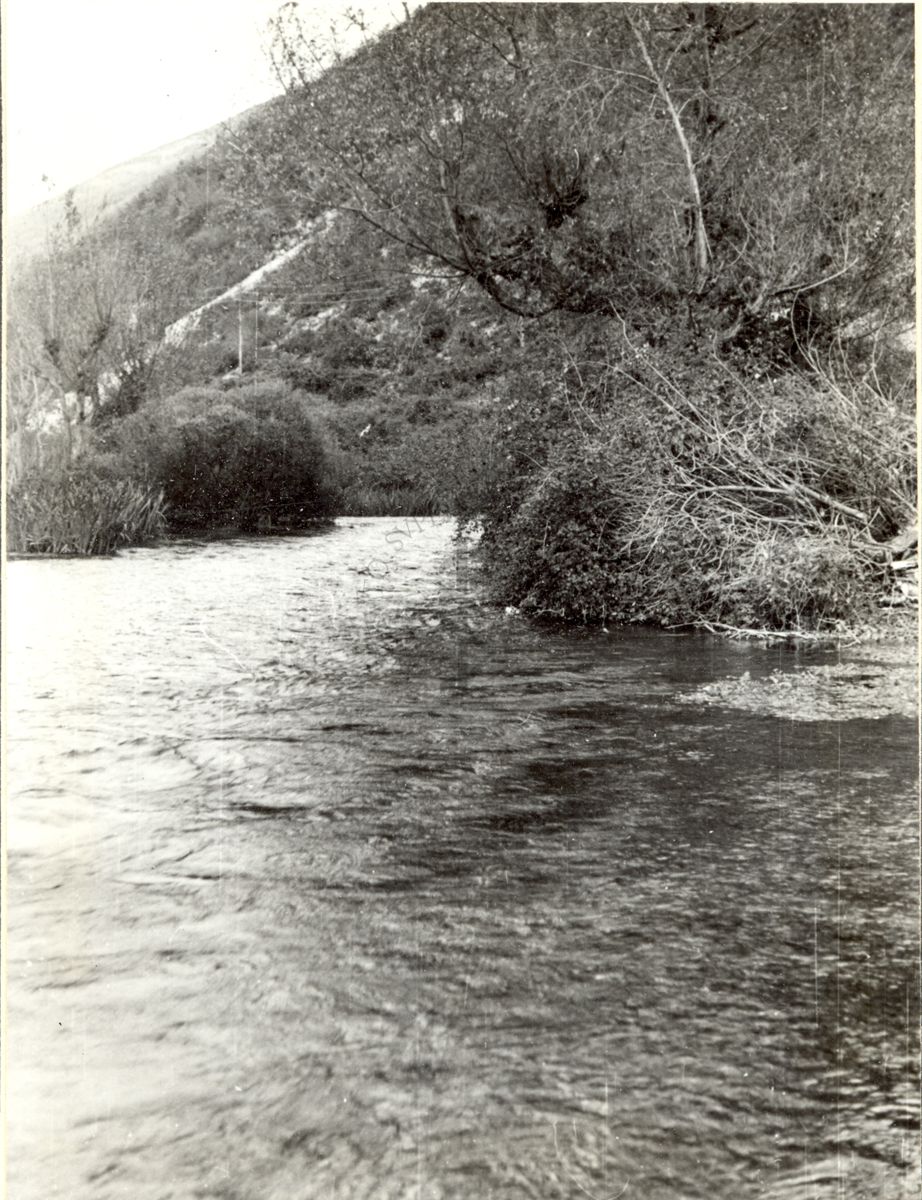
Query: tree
point(716, 166)
point(87, 322)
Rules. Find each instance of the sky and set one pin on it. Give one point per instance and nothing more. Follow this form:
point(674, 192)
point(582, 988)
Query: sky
point(89, 84)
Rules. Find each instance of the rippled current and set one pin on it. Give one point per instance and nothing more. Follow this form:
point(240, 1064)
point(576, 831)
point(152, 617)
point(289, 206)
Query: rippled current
point(328, 881)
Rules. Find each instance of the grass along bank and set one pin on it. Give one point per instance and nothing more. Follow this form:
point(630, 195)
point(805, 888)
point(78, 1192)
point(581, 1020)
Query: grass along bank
point(83, 511)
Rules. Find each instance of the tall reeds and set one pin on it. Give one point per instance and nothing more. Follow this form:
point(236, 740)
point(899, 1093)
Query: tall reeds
point(81, 512)
point(387, 500)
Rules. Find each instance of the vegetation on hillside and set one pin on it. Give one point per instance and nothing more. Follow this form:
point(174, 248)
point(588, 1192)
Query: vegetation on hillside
point(619, 284)
point(694, 164)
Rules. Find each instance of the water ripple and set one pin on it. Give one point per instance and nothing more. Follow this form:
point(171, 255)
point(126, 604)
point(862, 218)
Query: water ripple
point(328, 881)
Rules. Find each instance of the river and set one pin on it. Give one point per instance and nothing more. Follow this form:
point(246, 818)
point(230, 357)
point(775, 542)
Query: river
point(328, 881)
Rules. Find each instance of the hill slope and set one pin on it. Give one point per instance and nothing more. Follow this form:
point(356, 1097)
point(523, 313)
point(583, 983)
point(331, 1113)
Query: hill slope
point(104, 194)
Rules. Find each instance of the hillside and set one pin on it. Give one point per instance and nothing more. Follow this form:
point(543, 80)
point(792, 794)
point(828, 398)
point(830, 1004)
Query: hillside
point(106, 193)
point(521, 261)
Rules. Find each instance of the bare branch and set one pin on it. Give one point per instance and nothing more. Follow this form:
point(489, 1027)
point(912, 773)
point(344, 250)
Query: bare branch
point(702, 248)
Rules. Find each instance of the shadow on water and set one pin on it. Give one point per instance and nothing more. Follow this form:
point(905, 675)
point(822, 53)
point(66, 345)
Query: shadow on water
point(358, 888)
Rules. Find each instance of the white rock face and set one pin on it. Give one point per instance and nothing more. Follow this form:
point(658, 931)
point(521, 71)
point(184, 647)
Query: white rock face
point(179, 330)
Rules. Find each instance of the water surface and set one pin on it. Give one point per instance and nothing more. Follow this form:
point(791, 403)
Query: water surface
point(328, 881)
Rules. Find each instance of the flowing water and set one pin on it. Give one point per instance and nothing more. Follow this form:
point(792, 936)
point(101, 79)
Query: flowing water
point(327, 881)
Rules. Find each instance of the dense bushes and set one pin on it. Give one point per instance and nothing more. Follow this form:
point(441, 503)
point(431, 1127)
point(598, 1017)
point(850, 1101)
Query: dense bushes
point(404, 455)
point(694, 494)
point(250, 457)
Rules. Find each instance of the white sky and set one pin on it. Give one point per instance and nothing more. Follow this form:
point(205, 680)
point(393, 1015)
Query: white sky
point(92, 83)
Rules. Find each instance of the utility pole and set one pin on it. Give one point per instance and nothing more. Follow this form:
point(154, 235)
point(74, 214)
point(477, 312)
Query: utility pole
point(239, 337)
point(256, 330)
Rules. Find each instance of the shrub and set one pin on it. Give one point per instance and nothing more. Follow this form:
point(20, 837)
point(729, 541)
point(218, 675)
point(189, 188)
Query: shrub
point(694, 495)
point(304, 374)
point(799, 582)
point(397, 455)
point(342, 345)
point(349, 385)
point(249, 456)
point(302, 342)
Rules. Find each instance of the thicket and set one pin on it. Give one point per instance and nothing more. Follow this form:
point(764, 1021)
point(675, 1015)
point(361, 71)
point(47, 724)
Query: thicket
point(249, 456)
point(644, 485)
point(401, 379)
point(401, 455)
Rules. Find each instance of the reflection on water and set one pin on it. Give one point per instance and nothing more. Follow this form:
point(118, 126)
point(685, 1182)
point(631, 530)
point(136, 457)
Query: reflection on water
point(327, 881)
